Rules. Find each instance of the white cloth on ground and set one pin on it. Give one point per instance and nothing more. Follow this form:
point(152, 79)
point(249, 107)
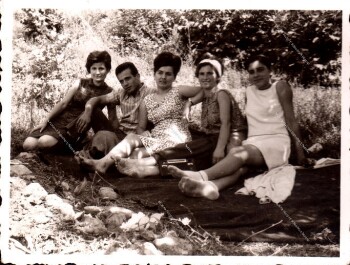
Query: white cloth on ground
point(275, 185)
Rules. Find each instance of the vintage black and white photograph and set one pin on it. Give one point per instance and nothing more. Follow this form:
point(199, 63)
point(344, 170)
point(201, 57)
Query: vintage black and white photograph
point(182, 132)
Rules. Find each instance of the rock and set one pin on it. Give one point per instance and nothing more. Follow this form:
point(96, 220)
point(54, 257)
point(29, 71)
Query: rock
point(134, 222)
point(80, 187)
point(150, 249)
point(123, 252)
point(68, 196)
point(25, 204)
point(35, 193)
point(67, 211)
point(107, 193)
point(114, 221)
point(93, 209)
point(154, 220)
point(18, 169)
point(173, 245)
point(117, 209)
point(92, 226)
point(41, 217)
point(65, 185)
point(17, 183)
point(54, 201)
point(148, 235)
point(29, 177)
point(26, 155)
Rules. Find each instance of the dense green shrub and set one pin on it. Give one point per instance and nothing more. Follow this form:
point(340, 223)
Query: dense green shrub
point(306, 45)
point(44, 68)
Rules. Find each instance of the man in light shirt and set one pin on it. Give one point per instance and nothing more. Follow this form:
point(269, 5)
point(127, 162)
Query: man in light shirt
point(128, 99)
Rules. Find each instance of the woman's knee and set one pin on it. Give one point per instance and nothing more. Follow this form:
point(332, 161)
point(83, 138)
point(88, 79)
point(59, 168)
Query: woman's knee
point(46, 141)
point(135, 154)
point(131, 137)
point(30, 144)
point(239, 152)
point(133, 140)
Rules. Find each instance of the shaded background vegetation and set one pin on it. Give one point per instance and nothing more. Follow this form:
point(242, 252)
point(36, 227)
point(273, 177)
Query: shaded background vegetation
point(50, 48)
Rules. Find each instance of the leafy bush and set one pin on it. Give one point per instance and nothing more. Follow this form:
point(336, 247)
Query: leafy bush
point(41, 22)
point(43, 69)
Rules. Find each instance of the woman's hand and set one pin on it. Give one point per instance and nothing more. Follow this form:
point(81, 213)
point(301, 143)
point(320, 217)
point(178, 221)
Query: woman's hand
point(218, 155)
point(306, 162)
point(186, 115)
point(83, 122)
point(41, 126)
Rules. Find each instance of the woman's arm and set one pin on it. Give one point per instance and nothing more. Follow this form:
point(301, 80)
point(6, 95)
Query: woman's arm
point(192, 101)
point(189, 91)
point(60, 106)
point(225, 128)
point(141, 127)
point(285, 95)
point(84, 119)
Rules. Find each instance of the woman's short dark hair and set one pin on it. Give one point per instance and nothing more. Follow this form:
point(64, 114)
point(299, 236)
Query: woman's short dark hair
point(167, 59)
point(98, 57)
point(261, 58)
point(210, 56)
point(127, 65)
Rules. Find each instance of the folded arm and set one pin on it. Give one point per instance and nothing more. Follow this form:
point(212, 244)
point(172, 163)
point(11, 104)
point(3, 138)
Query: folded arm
point(85, 119)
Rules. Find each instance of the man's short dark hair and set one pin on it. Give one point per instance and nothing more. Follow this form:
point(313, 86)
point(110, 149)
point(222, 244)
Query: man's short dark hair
point(127, 65)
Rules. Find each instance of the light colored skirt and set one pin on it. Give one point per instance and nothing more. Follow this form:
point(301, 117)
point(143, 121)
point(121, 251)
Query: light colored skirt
point(274, 148)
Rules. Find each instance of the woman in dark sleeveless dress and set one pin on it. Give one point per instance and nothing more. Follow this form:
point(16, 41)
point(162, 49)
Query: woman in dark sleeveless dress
point(60, 125)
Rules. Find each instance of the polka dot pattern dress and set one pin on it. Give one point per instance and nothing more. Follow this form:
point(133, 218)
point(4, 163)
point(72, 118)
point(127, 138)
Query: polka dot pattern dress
point(170, 128)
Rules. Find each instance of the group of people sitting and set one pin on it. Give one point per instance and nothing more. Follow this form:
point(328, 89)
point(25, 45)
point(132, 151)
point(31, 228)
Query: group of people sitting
point(153, 126)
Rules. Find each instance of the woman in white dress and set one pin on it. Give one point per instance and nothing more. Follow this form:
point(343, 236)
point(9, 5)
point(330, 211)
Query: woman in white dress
point(271, 128)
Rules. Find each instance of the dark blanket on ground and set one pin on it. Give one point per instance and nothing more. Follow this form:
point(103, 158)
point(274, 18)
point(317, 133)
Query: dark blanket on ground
point(313, 206)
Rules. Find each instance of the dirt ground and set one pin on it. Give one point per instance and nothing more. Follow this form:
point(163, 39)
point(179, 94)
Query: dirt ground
point(53, 212)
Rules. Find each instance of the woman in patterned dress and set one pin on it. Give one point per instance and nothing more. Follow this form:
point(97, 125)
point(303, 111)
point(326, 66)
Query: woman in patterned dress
point(222, 125)
point(164, 109)
point(272, 127)
point(60, 125)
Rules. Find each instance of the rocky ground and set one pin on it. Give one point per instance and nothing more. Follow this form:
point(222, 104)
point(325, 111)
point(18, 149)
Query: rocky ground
point(62, 210)
point(55, 213)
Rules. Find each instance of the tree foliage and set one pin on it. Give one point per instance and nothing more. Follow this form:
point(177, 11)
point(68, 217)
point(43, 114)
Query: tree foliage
point(41, 22)
point(305, 45)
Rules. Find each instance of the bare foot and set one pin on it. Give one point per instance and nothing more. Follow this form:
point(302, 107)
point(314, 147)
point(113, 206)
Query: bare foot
point(90, 164)
point(127, 167)
point(178, 173)
point(195, 188)
point(132, 168)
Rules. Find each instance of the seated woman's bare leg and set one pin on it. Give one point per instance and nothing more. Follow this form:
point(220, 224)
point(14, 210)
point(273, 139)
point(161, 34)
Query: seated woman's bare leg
point(227, 166)
point(194, 175)
point(46, 141)
point(139, 153)
point(219, 176)
point(138, 168)
point(123, 149)
point(208, 189)
point(199, 188)
point(228, 181)
point(247, 155)
point(30, 144)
